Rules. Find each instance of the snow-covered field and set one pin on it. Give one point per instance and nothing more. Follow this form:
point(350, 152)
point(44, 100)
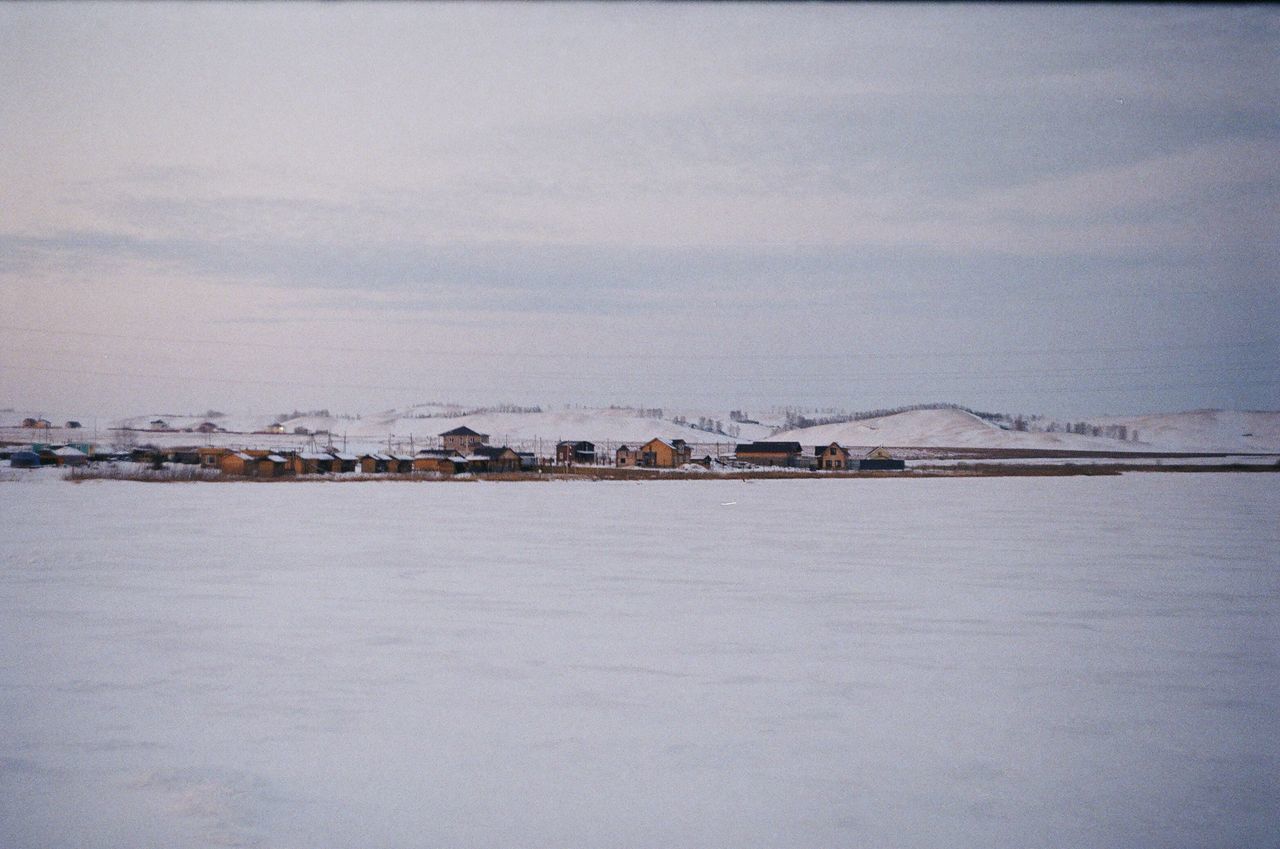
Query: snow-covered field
point(1022, 662)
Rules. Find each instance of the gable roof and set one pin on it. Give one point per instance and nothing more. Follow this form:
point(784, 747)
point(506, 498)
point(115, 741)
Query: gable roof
point(462, 431)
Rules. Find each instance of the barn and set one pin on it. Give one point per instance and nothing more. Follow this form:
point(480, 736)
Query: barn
point(771, 453)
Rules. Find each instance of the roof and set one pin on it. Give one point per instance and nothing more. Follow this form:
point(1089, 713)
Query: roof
point(769, 448)
point(69, 452)
point(342, 455)
point(582, 443)
point(275, 458)
point(315, 455)
point(491, 451)
point(462, 431)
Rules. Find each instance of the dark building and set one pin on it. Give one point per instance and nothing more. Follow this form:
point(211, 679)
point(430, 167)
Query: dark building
point(575, 452)
point(771, 454)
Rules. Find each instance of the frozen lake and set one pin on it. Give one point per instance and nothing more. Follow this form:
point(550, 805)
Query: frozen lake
point(1018, 662)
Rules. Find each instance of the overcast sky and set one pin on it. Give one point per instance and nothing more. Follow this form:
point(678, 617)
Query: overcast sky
point(260, 207)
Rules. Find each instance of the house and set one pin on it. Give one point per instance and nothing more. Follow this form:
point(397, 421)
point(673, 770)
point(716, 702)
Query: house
point(770, 453)
point(73, 425)
point(208, 457)
point(495, 458)
point(399, 464)
point(158, 424)
point(238, 463)
point(270, 465)
point(568, 453)
point(374, 464)
point(439, 462)
point(834, 457)
point(312, 463)
point(24, 460)
point(463, 439)
point(68, 456)
point(528, 461)
point(878, 459)
point(344, 462)
point(626, 457)
point(275, 427)
point(42, 424)
point(206, 427)
point(661, 454)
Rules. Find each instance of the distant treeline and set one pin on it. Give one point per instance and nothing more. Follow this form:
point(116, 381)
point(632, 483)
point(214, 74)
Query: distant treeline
point(795, 419)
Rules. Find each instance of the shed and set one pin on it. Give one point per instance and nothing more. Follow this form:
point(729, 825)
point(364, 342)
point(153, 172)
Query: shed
point(374, 464)
point(770, 453)
point(627, 456)
point(496, 458)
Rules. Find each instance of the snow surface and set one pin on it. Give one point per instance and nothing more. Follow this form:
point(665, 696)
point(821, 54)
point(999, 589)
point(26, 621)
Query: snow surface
point(1022, 662)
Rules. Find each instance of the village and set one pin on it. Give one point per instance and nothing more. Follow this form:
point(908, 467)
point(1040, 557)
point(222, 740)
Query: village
point(461, 451)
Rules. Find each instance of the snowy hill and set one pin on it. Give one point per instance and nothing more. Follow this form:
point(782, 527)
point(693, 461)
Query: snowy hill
point(945, 428)
point(1203, 430)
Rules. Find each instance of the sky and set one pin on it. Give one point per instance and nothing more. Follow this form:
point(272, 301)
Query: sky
point(1056, 210)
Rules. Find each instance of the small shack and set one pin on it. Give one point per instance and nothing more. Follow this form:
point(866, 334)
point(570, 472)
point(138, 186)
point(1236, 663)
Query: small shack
point(497, 458)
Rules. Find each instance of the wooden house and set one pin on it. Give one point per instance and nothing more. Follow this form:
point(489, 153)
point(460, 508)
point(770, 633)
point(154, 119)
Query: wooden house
point(238, 463)
point(399, 464)
point(496, 458)
point(833, 457)
point(41, 424)
point(568, 453)
point(463, 439)
point(661, 454)
point(439, 462)
point(878, 459)
point(627, 457)
point(271, 465)
point(344, 462)
point(206, 427)
point(374, 464)
point(275, 427)
point(311, 463)
point(208, 457)
point(770, 453)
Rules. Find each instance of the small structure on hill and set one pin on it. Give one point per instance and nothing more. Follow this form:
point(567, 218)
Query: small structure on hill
point(73, 425)
point(785, 454)
point(463, 439)
point(275, 427)
point(569, 452)
point(207, 427)
point(832, 458)
point(39, 424)
point(158, 424)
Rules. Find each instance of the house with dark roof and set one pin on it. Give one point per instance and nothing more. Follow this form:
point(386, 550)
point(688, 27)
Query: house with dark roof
point(627, 457)
point(495, 458)
point(463, 439)
point(569, 452)
point(771, 454)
